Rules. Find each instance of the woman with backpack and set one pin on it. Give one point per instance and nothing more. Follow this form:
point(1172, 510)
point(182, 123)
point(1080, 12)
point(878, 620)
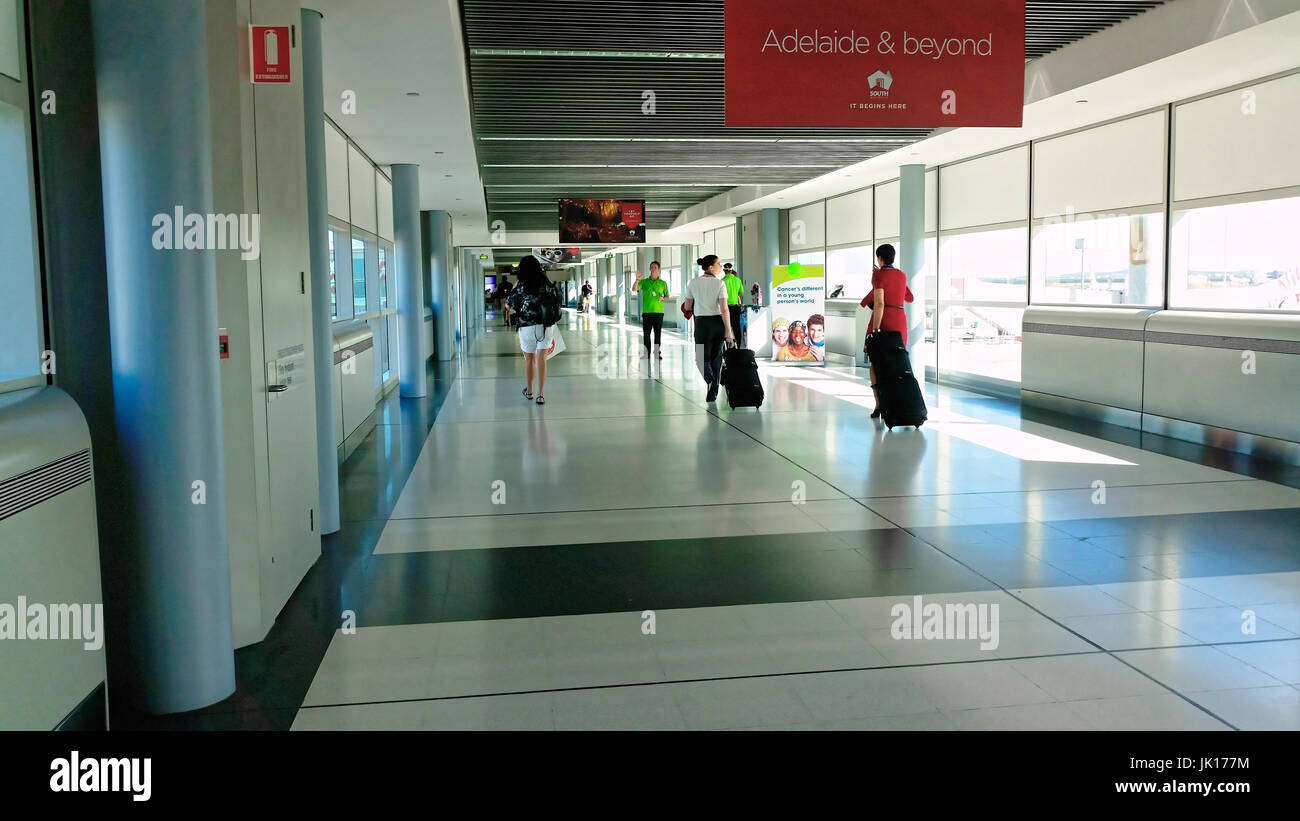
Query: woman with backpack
point(535, 305)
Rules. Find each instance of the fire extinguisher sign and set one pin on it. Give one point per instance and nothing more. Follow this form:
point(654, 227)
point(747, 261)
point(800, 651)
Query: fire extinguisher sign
point(269, 52)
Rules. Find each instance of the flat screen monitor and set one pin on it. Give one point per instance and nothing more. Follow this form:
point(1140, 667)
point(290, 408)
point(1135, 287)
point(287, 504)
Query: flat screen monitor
point(605, 221)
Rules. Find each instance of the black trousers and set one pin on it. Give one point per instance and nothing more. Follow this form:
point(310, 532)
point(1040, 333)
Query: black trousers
point(710, 337)
point(651, 322)
point(735, 310)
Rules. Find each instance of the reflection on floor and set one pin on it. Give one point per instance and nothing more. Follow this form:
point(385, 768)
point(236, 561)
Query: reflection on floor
point(630, 556)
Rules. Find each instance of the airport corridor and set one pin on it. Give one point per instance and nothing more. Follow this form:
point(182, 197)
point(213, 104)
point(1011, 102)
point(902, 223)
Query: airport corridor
point(628, 556)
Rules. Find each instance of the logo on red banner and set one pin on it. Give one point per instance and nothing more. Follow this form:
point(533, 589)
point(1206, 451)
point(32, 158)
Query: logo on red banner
point(269, 53)
point(631, 214)
point(846, 64)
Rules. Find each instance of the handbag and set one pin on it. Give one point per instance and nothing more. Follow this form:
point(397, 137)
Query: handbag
point(687, 312)
point(557, 345)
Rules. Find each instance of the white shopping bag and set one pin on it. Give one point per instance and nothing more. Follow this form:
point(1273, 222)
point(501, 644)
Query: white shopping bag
point(557, 343)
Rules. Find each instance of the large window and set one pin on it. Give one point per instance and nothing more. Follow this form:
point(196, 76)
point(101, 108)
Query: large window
point(1104, 259)
point(851, 268)
point(983, 281)
point(1239, 256)
point(358, 275)
point(11, 58)
point(21, 335)
point(988, 266)
point(384, 253)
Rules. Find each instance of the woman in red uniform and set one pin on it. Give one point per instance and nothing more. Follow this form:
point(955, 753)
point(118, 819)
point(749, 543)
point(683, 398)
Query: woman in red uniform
point(888, 293)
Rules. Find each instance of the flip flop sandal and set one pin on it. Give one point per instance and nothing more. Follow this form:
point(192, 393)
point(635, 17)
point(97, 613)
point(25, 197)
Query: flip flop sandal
point(541, 400)
point(528, 394)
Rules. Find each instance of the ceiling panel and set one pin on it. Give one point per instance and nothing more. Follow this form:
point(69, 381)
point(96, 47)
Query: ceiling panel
point(551, 121)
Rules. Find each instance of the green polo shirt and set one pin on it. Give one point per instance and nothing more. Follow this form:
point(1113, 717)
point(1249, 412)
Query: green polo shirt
point(653, 292)
point(734, 286)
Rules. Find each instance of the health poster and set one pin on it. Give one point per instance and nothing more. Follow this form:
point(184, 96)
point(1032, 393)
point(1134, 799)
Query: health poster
point(798, 313)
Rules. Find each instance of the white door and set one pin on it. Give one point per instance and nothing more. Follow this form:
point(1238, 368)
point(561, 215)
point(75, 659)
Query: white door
point(286, 320)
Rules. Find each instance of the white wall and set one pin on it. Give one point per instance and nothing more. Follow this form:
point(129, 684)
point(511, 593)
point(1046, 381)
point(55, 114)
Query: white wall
point(336, 173)
point(1235, 142)
point(986, 190)
point(384, 205)
point(849, 218)
point(1116, 166)
point(361, 179)
point(813, 235)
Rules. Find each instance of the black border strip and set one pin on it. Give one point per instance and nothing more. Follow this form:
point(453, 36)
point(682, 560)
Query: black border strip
point(1235, 343)
point(1128, 334)
point(360, 347)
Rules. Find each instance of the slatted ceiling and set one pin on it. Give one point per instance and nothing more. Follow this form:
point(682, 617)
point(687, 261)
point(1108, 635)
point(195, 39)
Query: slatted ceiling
point(564, 97)
point(696, 26)
point(1050, 24)
point(603, 97)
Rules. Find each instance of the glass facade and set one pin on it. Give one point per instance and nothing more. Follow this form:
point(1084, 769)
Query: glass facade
point(1239, 256)
point(849, 269)
point(21, 327)
point(1104, 259)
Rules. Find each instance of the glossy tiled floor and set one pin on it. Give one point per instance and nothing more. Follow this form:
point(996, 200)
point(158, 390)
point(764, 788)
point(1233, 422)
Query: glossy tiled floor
point(628, 556)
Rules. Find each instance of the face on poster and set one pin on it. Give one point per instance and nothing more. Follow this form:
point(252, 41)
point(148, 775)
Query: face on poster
point(799, 313)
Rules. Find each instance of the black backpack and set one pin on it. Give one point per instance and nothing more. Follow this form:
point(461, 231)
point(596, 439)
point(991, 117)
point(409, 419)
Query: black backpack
point(550, 302)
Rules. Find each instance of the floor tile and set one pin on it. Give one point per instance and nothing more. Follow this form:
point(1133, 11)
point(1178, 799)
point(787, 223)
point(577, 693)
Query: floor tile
point(1192, 669)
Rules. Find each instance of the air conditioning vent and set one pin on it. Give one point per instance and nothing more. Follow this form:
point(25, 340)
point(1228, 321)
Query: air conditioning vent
point(37, 485)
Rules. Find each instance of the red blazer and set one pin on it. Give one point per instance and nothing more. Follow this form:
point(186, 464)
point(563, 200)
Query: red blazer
point(894, 283)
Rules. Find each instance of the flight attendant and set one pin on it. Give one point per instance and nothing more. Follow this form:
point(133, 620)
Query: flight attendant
point(888, 293)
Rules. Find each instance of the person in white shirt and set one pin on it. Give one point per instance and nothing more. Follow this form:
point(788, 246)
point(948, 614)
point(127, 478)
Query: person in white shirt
point(706, 298)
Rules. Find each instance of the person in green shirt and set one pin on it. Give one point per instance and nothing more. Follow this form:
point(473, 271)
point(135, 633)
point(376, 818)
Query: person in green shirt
point(653, 292)
point(735, 287)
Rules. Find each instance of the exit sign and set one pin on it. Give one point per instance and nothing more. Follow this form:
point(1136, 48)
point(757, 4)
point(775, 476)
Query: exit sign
point(268, 51)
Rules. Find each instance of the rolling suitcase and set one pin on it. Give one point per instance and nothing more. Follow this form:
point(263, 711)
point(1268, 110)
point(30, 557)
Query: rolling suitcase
point(901, 401)
point(740, 378)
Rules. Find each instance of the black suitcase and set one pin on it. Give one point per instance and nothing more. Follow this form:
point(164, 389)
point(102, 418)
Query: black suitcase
point(901, 400)
point(740, 378)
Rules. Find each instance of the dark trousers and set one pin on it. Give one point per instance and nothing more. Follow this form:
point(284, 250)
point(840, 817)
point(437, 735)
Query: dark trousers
point(710, 336)
point(652, 322)
point(735, 310)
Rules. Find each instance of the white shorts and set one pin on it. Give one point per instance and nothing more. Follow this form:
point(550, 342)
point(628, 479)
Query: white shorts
point(533, 338)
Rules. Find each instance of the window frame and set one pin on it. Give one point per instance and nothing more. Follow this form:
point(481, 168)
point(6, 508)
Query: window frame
point(1155, 211)
point(16, 92)
point(1241, 198)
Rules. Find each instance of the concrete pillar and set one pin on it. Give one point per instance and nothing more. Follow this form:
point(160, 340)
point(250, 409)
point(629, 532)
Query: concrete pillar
point(410, 284)
point(740, 259)
point(770, 236)
point(437, 252)
point(911, 250)
point(155, 142)
point(602, 274)
point(313, 95)
point(644, 256)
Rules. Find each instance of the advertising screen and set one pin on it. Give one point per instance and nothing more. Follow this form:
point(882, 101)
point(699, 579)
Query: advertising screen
point(616, 221)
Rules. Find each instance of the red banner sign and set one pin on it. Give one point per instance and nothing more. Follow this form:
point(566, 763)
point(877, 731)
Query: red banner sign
point(846, 63)
point(269, 52)
point(632, 213)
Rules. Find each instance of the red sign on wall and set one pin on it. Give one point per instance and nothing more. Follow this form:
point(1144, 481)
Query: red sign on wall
point(846, 63)
point(269, 53)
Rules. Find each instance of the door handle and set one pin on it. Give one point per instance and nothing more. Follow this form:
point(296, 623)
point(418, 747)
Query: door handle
point(277, 388)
